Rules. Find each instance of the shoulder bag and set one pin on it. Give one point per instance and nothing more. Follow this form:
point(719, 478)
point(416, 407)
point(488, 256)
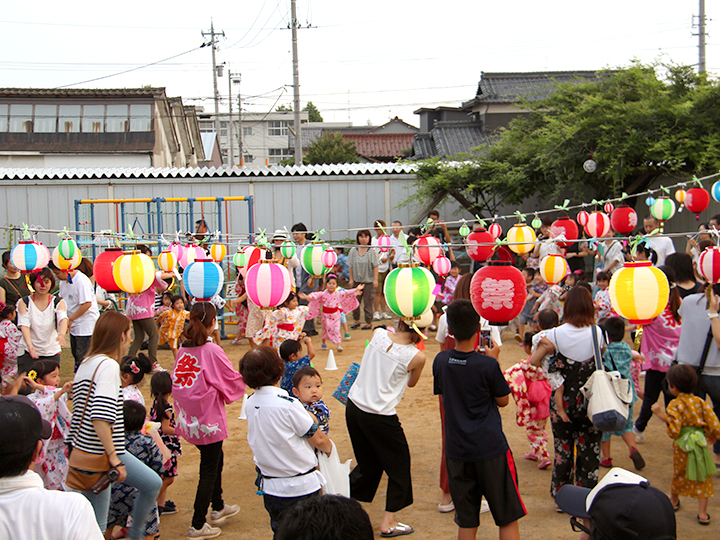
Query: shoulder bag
point(608, 395)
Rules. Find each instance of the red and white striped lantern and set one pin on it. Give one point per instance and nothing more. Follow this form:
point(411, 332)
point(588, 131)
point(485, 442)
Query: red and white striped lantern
point(709, 264)
point(427, 249)
point(624, 219)
point(268, 284)
point(329, 258)
point(441, 265)
point(608, 207)
point(254, 255)
point(190, 254)
point(598, 225)
point(553, 268)
point(582, 218)
point(495, 229)
point(384, 242)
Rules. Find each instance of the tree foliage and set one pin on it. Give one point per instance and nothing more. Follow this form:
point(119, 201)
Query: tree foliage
point(331, 148)
point(313, 112)
point(283, 108)
point(636, 126)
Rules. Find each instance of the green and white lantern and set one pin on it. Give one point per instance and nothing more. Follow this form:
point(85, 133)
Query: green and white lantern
point(67, 248)
point(239, 259)
point(408, 291)
point(311, 259)
point(287, 249)
point(663, 208)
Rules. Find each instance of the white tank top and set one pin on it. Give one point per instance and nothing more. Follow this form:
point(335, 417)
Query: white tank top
point(383, 375)
point(43, 333)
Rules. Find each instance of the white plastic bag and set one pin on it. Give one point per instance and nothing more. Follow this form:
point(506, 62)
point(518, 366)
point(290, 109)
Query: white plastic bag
point(608, 400)
point(336, 474)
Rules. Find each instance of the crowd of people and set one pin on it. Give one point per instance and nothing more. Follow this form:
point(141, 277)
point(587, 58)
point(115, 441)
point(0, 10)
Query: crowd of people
point(102, 411)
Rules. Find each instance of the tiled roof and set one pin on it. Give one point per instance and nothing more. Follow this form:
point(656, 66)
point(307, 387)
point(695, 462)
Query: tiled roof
point(448, 139)
point(533, 86)
point(212, 172)
point(380, 145)
point(81, 92)
point(424, 146)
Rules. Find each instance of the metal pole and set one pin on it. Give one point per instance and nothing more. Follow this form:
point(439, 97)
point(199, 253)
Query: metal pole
point(216, 94)
point(240, 128)
point(230, 121)
point(701, 38)
point(296, 85)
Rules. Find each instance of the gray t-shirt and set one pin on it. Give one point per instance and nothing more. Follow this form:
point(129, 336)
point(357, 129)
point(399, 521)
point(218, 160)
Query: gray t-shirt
point(695, 327)
point(362, 266)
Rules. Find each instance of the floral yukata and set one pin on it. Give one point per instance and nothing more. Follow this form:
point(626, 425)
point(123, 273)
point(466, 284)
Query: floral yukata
point(332, 305)
point(283, 324)
point(603, 306)
point(531, 393)
point(241, 308)
point(11, 346)
point(52, 464)
point(171, 325)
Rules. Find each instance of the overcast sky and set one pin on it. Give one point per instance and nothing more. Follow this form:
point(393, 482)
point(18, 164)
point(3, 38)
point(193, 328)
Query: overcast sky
point(367, 61)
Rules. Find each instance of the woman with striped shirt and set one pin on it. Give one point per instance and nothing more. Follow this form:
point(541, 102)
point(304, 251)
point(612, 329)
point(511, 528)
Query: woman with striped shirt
point(100, 429)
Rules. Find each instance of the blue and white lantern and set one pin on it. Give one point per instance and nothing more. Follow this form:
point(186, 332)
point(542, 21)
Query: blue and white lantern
point(203, 279)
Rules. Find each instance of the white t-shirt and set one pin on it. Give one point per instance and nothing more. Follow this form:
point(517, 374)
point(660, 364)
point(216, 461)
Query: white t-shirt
point(663, 246)
point(575, 343)
point(382, 266)
point(276, 425)
point(28, 511)
point(42, 325)
point(75, 294)
point(443, 332)
point(401, 256)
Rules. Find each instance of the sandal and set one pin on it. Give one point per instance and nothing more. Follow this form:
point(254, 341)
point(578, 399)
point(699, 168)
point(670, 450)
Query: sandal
point(368, 327)
point(399, 530)
point(677, 506)
point(704, 521)
point(355, 326)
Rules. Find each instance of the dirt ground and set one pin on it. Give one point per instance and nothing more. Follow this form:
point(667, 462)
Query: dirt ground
point(418, 413)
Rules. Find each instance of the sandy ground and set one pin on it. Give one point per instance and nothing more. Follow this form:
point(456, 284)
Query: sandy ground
point(418, 413)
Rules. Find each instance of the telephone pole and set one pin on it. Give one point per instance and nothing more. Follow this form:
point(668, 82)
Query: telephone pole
point(234, 78)
point(296, 85)
point(213, 42)
point(701, 38)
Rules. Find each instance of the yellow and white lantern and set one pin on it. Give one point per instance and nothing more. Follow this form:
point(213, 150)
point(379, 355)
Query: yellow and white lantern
point(553, 268)
point(521, 238)
point(639, 292)
point(134, 272)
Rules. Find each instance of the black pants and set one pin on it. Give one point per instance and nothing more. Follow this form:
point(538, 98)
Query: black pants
point(653, 388)
point(379, 445)
point(210, 482)
point(275, 506)
point(79, 346)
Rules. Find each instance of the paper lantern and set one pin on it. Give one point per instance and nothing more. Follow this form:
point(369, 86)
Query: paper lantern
point(464, 230)
point(608, 207)
point(268, 284)
point(475, 250)
point(177, 250)
point(709, 264)
point(536, 223)
point(639, 292)
point(598, 225)
point(680, 196)
point(167, 261)
point(427, 249)
point(498, 292)
point(408, 291)
point(649, 201)
point(103, 269)
point(624, 219)
point(218, 252)
point(29, 256)
point(697, 200)
point(190, 254)
point(553, 268)
point(495, 229)
point(582, 218)
point(134, 272)
point(329, 258)
point(239, 259)
point(311, 259)
point(715, 191)
point(287, 249)
point(203, 278)
point(521, 238)
point(441, 265)
point(566, 227)
point(663, 208)
point(66, 256)
point(384, 242)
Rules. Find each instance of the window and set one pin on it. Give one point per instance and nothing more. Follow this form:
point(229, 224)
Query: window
point(117, 118)
point(45, 119)
point(247, 158)
point(141, 117)
point(279, 154)
point(21, 118)
point(93, 120)
point(247, 132)
point(207, 127)
point(278, 128)
point(4, 117)
point(69, 119)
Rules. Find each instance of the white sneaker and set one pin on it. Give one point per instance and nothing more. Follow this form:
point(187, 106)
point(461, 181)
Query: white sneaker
point(218, 518)
point(484, 508)
point(376, 316)
point(385, 315)
point(205, 532)
point(639, 435)
point(156, 368)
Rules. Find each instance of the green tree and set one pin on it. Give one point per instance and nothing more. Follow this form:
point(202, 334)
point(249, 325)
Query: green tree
point(284, 108)
point(313, 112)
point(331, 148)
point(635, 125)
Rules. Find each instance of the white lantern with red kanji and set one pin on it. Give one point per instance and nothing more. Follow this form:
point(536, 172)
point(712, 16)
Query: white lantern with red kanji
point(203, 278)
point(553, 268)
point(598, 225)
point(29, 256)
point(498, 292)
point(218, 252)
point(329, 258)
point(384, 242)
point(427, 249)
point(709, 264)
point(268, 284)
point(190, 254)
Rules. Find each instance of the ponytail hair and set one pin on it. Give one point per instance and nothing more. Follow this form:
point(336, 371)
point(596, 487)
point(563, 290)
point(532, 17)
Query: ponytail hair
point(160, 386)
point(403, 327)
point(199, 327)
point(135, 366)
point(674, 301)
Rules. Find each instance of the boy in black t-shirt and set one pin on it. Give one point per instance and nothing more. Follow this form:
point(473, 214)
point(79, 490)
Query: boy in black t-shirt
point(479, 460)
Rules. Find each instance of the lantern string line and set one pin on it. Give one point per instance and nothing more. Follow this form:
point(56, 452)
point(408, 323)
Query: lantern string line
point(190, 236)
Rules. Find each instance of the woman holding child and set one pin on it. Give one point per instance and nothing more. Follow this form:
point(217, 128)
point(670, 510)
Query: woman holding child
point(572, 343)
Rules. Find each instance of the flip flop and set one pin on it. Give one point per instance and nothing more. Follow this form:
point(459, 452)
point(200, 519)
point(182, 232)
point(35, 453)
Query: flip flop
point(399, 530)
point(677, 506)
point(704, 521)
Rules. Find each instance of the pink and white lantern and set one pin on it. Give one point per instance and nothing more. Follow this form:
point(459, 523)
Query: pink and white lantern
point(427, 249)
point(268, 284)
point(598, 225)
point(190, 254)
point(329, 258)
point(177, 250)
point(384, 242)
point(441, 266)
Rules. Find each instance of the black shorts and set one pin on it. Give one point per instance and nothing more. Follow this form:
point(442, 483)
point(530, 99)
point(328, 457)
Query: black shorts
point(496, 480)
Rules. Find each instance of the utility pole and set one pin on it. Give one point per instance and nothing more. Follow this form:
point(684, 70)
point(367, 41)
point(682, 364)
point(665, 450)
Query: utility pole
point(296, 85)
point(701, 38)
point(213, 42)
point(234, 78)
point(237, 80)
